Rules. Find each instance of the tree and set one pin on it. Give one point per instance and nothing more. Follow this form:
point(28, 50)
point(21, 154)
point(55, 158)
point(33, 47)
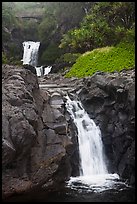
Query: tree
point(59, 18)
point(106, 23)
point(9, 23)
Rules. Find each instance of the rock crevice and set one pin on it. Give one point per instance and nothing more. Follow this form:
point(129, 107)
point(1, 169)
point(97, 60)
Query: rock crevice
point(39, 139)
point(34, 134)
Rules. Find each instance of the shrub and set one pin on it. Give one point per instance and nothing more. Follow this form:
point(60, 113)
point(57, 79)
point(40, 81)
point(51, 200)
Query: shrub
point(4, 58)
point(68, 57)
point(107, 59)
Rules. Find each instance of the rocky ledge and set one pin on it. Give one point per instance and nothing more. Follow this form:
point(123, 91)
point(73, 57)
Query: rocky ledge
point(39, 140)
point(36, 141)
point(109, 99)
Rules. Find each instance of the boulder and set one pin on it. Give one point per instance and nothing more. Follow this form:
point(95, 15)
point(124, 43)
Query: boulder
point(33, 154)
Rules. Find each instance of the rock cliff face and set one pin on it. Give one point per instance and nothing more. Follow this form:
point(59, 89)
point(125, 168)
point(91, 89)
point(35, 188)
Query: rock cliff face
point(35, 142)
point(109, 99)
point(39, 143)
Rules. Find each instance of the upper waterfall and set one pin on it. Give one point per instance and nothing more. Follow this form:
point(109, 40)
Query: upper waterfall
point(30, 55)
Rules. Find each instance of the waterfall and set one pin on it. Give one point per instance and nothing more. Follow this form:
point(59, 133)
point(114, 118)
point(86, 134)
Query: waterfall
point(43, 70)
point(30, 55)
point(47, 70)
point(39, 70)
point(93, 169)
point(89, 138)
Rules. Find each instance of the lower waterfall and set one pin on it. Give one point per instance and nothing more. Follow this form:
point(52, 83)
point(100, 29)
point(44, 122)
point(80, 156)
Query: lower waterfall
point(93, 170)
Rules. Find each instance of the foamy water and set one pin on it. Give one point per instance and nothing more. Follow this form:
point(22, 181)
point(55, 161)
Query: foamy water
point(96, 183)
point(94, 175)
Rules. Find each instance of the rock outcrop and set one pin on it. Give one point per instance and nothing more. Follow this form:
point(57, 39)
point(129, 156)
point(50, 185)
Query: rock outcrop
point(109, 99)
point(39, 143)
point(35, 137)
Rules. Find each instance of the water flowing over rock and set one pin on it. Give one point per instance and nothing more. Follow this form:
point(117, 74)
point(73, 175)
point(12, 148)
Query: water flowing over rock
point(30, 55)
point(30, 58)
point(109, 99)
point(39, 138)
point(94, 174)
point(92, 160)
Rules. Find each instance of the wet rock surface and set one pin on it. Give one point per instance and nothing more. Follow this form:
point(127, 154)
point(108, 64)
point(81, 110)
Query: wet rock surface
point(109, 99)
point(39, 139)
point(34, 134)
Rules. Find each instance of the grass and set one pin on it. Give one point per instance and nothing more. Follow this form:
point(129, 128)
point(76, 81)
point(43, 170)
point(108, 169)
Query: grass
point(106, 59)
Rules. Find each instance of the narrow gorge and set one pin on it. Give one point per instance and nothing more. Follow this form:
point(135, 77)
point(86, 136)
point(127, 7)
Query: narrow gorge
point(68, 102)
point(39, 139)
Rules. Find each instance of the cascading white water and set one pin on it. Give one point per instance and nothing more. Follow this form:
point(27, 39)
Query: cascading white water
point(39, 70)
point(93, 170)
point(47, 70)
point(89, 138)
point(30, 55)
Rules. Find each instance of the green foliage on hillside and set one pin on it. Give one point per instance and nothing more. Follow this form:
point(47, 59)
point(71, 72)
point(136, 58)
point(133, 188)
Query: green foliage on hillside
point(59, 17)
point(67, 29)
point(56, 18)
point(9, 21)
point(50, 55)
point(4, 58)
point(106, 59)
point(70, 58)
point(9, 24)
point(106, 24)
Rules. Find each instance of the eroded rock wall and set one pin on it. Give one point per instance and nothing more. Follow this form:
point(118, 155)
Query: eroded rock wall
point(39, 143)
point(109, 99)
point(34, 134)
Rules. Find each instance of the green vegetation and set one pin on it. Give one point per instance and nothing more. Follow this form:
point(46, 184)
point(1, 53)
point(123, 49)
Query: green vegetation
point(69, 58)
point(9, 23)
point(106, 24)
point(50, 55)
point(56, 19)
point(4, 58)
point(106, 59)
point(89, 36)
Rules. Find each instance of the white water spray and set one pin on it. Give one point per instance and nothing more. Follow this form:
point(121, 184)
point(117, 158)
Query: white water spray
point(89, 138)
point(39, 70)
point(47, 70)
point(93, 169)
point(30, 55)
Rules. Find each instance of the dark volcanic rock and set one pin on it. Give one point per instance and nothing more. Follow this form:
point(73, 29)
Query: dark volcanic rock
point(39, 139)
point(34, 156)
point(109, 99)
point(31, 68)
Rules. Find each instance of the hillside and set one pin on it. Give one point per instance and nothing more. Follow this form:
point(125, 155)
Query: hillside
point(106, 59)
